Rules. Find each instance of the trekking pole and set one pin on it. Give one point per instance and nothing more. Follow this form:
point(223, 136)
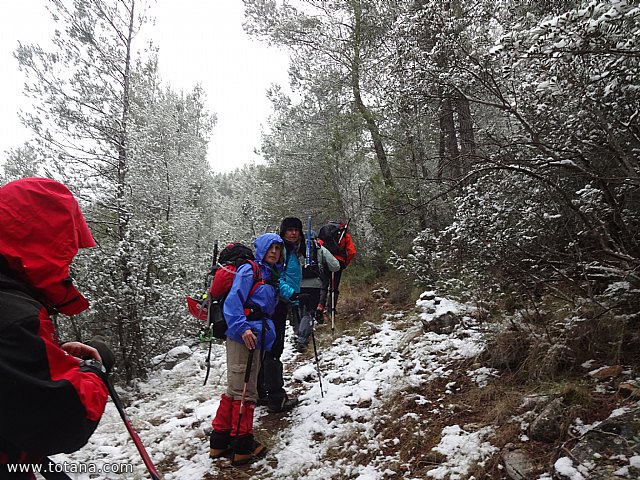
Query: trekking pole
point(247, 374)
point(209, 325)
point(315, 352)
point(308, 255)
point(333, 303)
point(297, 318)
point(210, 339)
point(344, 230)
point(50, 471)
point(134, 435)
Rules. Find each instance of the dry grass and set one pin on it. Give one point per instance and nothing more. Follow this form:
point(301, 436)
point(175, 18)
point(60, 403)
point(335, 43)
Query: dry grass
point(550, 342)
point(507, 351)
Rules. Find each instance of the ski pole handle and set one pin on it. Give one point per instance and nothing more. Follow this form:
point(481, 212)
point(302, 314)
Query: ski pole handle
point(247, 372)
point(344, 230)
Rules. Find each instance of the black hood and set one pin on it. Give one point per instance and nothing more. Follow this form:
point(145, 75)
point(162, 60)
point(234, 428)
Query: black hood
point(293, 222)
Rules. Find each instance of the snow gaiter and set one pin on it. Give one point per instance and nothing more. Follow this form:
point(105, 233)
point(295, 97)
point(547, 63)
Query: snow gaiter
point(246, 421)
point(222, 420)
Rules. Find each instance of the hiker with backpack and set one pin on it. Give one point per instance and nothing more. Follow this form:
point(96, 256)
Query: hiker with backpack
point(316, 273)
point(248, 310)
point(271, 381)
point(335, 238)
point(53, 394)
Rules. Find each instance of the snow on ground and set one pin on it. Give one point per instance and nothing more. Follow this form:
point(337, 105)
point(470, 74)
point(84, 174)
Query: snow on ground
point(173, 410)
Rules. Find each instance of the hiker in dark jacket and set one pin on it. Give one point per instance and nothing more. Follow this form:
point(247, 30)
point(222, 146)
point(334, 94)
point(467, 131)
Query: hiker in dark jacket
point(233, 429)
point(314, 278)
point(271, 380)
point(52, 397)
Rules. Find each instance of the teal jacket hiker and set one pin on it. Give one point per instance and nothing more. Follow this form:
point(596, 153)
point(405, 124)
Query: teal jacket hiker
point(292, 276)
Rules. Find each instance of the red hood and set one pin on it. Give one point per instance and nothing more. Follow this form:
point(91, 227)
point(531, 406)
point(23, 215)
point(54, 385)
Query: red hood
point(41, 231)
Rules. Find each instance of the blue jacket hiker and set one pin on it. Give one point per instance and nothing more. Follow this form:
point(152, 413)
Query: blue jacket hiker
point(233, 424)
point(263, 297)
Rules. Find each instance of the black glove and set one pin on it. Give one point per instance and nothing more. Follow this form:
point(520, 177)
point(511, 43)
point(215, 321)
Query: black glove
point(108, 358)
point(303, 298)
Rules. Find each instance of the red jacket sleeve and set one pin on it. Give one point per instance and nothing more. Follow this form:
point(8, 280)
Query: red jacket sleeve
point(349, 247)
point(47, 404)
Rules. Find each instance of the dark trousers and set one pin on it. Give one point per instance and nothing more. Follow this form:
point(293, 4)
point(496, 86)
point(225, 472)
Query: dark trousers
point(325, 296)
point(307, 307)
point(314, 299)
point(270, 379)
point(301, 317)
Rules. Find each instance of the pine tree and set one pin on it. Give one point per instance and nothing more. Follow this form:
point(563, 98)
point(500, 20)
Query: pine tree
point(135, 156)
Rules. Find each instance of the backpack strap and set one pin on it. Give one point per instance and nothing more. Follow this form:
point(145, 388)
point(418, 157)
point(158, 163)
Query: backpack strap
point(254, 312)
point(257, 277)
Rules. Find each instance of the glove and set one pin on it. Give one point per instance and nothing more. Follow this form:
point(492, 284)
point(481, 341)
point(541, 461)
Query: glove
point(320, 315)
point(343, 265)
point(108, 358)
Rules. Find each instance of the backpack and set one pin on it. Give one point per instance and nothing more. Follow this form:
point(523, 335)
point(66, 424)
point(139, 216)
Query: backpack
point(210, 306)
point(330, 236)
point(313, 270)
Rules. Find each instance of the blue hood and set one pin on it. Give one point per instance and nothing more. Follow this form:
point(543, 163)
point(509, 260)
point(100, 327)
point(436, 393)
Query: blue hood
point(263, 243)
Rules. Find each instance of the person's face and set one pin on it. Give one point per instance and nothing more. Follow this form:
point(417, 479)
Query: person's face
point(273, 254)
point(292, 234)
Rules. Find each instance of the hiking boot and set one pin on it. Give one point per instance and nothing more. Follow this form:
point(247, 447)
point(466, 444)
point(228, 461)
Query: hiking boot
point(287, 404)
point(219, 452)
point(262, 401)
point(301, 347)
point(220, 444)
point(246, 450)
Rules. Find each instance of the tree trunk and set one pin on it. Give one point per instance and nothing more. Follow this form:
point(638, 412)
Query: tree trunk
point(449, 161)
point(128, 314)
point(412, 128)
point(467, 139)
point(366, 113)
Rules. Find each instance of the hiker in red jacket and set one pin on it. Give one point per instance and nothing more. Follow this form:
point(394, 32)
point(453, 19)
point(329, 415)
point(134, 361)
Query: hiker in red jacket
point(335, 238)
point(52, 396)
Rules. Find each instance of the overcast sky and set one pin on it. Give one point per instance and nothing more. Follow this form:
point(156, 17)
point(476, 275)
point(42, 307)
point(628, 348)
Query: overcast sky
point(201, 41)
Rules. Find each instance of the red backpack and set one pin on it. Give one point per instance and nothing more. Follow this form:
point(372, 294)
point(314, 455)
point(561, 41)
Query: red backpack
point(209, 306)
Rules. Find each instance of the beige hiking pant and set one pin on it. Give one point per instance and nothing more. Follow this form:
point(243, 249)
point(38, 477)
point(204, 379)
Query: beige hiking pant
point(237, 357)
